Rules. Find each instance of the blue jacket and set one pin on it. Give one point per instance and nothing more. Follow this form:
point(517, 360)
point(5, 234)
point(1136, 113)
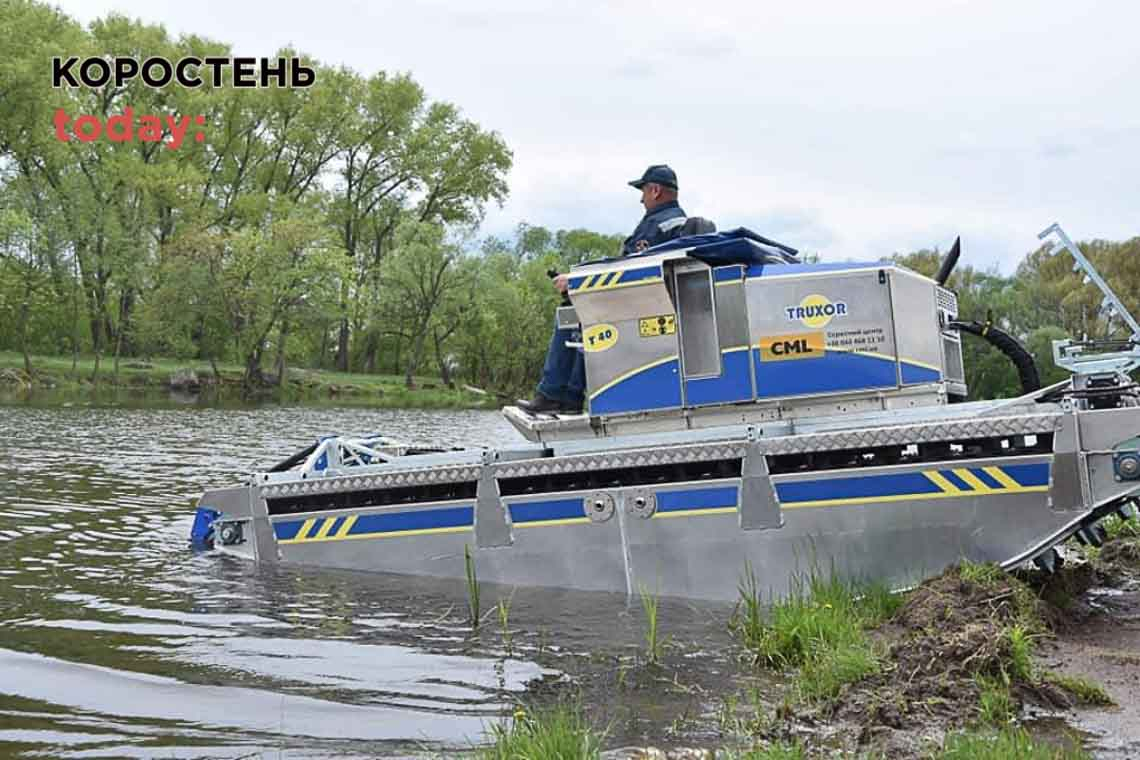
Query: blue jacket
point(655, 227)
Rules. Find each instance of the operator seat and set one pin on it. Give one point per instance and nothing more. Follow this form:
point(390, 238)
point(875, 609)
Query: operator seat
point(696, 225)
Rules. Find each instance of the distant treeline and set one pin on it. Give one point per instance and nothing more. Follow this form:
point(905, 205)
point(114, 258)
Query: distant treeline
point(326, 227)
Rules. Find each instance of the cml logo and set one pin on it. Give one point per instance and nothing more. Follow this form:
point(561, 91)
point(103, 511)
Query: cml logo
point(816, 311)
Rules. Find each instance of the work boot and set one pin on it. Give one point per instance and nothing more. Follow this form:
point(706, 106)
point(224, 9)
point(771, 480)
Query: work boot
point(541, 404)
point(571, 407)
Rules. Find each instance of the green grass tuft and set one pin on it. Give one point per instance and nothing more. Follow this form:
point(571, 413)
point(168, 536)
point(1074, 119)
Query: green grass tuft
point(504, 609)
point(1008, 744)
point(995, 705)
point(1086, 691)
point(300, 385)
point(561, 733)
point(1116, 527)
point(818, 627)
point(777, 751)
point(1020, 653)
point(824, 674)
point(878, 603)
point(981, 573)
point(654, 645)
point(472, 586)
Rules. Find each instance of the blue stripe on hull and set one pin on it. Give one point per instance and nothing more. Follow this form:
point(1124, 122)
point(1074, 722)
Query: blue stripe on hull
point(836, 371)
point(375, 525)
point(1028, 474)
point(992, 480)
point(424, 519)
point(696, 499)
point(860, 487)
point(287, 531)
point(957, 481)
point(985, 477)
point(530, 512)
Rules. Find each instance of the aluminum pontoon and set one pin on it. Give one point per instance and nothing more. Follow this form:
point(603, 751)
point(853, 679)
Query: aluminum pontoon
point(744, 409)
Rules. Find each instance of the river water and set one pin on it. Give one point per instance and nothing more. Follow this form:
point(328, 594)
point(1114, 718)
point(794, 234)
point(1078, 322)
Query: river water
point(116, 640)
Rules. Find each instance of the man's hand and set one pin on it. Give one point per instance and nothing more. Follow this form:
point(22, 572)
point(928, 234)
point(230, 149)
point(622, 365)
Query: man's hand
point(562, 283)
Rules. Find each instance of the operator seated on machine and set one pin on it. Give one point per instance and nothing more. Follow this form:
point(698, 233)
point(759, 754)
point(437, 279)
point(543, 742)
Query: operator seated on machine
point(563, 385)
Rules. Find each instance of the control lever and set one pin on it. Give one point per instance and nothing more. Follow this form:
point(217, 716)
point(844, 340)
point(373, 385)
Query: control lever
point(552, 274)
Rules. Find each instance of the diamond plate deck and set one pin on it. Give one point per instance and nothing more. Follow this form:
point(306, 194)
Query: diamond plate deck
point(896, 435)
point(365, 482)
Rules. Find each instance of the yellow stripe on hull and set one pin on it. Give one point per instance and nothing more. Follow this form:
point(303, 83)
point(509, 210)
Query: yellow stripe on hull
point(388, 534)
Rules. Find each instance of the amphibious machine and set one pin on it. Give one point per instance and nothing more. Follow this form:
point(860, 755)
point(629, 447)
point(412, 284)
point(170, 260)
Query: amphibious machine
point(744, 409)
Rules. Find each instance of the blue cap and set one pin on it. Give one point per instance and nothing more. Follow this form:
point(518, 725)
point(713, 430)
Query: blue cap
point(659, 173)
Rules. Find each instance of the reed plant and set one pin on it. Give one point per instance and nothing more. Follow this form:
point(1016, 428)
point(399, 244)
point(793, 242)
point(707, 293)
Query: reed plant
point(1020, 653)
point(777, 751)
point(981, 573)
point(995, 703)
point(559, 733)
point(504, 609)
point(1006, 744)
point(654, 645)
point(1118, 527)
point(819, 627)
point(472, 586)
point(1087, 692)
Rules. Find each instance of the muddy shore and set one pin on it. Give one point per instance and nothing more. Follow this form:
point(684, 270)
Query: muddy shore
point(946, 660)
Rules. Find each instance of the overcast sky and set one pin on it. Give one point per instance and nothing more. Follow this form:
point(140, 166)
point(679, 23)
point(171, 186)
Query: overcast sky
point(856, 129)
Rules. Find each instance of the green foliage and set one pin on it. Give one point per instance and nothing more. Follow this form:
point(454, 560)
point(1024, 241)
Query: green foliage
point(830, 668)
point(777, 751)
point(995, 703)
point(504, 610)
point(982, 573)
point(1116, 527)
point(819, 628)
point(654, 644)
point(235, 247)
point(472, 587)
point(1087, 691)
point(1007, 744)
point(1020, 653)
point(331, 227)
point(820, 611)
point(748, 620)
point(561, 733)
point(877, 603)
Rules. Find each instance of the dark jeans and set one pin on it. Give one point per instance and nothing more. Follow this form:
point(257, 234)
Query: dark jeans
point(564, 371)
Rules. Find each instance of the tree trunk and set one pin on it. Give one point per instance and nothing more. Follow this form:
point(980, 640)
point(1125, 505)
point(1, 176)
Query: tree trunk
point(118, 350)
point(119, 340)
point(281, 352)
point(342, 346)
point(371, 348)
point(97, 333)
point(441, 360)
point(324, 347)
point(252, 368)
point(24, 309)
point(414, 357)
point(126, 313)
point(75, 322)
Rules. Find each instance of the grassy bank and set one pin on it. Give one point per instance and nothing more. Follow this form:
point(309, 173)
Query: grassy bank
point(57, 376)
point(949, 670)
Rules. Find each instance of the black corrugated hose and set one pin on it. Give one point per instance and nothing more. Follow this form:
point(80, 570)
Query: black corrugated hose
point(1008, 345)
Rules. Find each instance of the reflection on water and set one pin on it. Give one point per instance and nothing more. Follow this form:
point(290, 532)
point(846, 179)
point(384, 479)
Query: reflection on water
point(117, 641)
